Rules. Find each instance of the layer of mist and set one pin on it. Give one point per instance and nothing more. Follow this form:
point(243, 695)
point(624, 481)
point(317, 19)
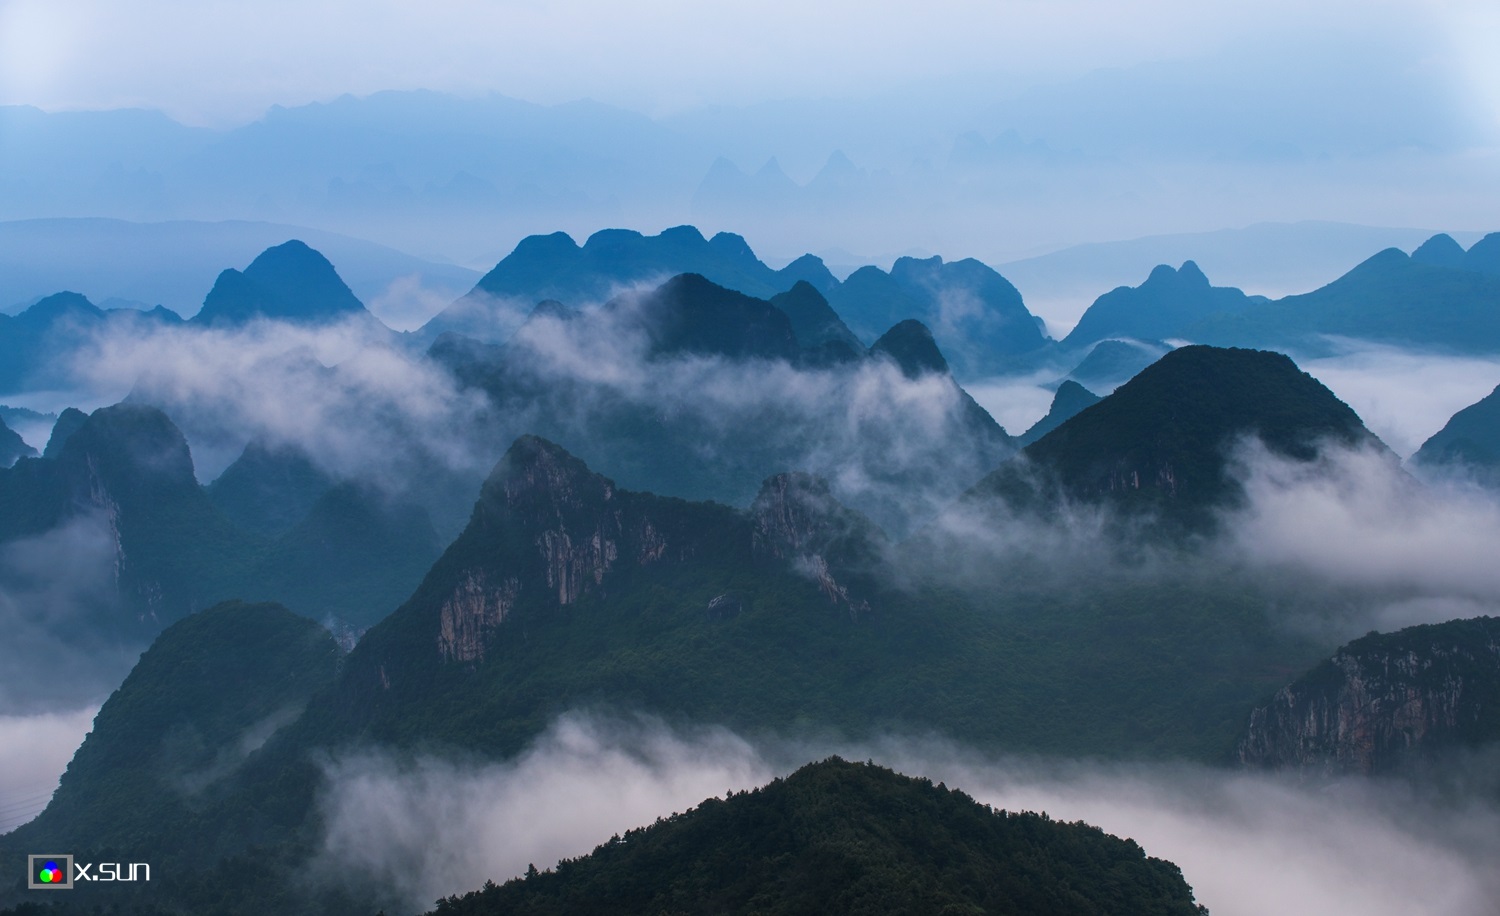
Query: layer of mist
point(1404, 396)
point(360, 406)
point(54, 589)
point(424, 827)
point(34, 750)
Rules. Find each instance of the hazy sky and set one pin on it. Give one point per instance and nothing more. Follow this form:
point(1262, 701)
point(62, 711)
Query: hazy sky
point(223, 61)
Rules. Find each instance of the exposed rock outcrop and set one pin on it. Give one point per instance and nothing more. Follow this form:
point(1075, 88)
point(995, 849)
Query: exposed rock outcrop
point(796, 518)
point(547, 531)
point(1384, 701)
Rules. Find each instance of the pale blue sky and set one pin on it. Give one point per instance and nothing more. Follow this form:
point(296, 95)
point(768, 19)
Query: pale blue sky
point(223, 61)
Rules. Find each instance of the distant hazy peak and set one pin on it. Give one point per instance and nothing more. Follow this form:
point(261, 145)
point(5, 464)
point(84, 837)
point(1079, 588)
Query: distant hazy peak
point(729, 244)
point(288, 281)
point(1188, 274)
point(61, 304)
point(685, 234)
point(1484, 255)
point(541, 246)
point(1440, 250)
point(1190, 271)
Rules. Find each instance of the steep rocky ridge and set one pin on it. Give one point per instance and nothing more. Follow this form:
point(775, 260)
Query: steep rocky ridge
point(796, 518)
point(1384, 702)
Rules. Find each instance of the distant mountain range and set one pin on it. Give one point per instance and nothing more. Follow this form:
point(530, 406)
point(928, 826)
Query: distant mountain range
point(975, 315)
point(173, 264)
point(1269, 259)
point(1439, 298)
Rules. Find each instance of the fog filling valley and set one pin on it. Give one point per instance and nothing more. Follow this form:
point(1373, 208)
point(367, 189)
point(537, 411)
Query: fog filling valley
point(1352, 523)
point(426, 827)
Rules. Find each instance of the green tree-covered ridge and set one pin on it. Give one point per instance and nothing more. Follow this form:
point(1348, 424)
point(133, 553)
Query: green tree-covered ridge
point(843, 838)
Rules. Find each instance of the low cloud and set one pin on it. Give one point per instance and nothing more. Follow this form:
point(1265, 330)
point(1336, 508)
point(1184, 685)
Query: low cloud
point(55, 589)
point(425, 827)
point(34, 751)
point(1355, 521)
point(1249, 844)
point(359, 405)
point(408, 303)
point(1404, 396)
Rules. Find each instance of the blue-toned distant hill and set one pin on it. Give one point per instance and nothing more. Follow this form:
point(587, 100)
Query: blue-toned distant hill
point(976, 316)
point(611, 261)
point(1168, 302)
point(1110, 363)
point(37, 346)
point(1468, 443)
point(289, 282)
point(174, 263)
point(1272, 259)
point(1433, 301)
point(1440, 296)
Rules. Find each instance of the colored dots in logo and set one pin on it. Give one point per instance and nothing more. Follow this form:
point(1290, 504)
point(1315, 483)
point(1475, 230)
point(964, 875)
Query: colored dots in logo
point(49, 873)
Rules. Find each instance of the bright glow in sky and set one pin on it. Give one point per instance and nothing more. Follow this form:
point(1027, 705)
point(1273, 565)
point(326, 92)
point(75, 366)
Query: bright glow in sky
point(221, 61)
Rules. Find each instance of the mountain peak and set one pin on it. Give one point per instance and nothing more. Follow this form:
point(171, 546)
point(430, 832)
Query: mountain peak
point(61, 305)
point(541, 478)
point(916, 847)
point(691, 314)
point(1190, 272)
point(12, 447)
point(1440, 251)
point(685, 235)
point(1161, 442)
point(291, 282)
point(816, 324)
point(911, 346)
point(131, 445)
point(546, 247)
point(732, 245)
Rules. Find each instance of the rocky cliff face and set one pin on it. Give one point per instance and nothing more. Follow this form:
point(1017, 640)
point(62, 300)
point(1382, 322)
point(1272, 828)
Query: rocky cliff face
point(796, 518)
point(1383, 701)
point(548, 531)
